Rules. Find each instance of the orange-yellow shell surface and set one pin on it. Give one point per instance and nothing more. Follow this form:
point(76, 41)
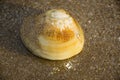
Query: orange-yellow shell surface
point(54, 35)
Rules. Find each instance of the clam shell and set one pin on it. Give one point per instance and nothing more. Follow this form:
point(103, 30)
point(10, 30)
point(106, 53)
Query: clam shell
point(54, 35)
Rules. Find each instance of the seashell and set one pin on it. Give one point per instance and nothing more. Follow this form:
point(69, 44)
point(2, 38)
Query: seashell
point(54, 35)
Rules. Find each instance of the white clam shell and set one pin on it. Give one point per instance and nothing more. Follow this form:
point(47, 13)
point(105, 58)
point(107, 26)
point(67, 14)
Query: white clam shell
point(54, 35)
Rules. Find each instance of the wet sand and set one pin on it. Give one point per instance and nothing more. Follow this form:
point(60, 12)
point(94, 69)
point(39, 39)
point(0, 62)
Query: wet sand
point(99, 60)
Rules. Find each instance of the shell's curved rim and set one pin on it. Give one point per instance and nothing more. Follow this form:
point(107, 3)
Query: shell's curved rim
point(36, 51)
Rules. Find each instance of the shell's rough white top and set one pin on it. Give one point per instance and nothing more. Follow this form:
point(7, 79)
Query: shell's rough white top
point(59, 15)
point(59, 18)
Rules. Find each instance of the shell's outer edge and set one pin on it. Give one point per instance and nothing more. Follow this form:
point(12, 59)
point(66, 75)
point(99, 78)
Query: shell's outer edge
point(52, 50)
